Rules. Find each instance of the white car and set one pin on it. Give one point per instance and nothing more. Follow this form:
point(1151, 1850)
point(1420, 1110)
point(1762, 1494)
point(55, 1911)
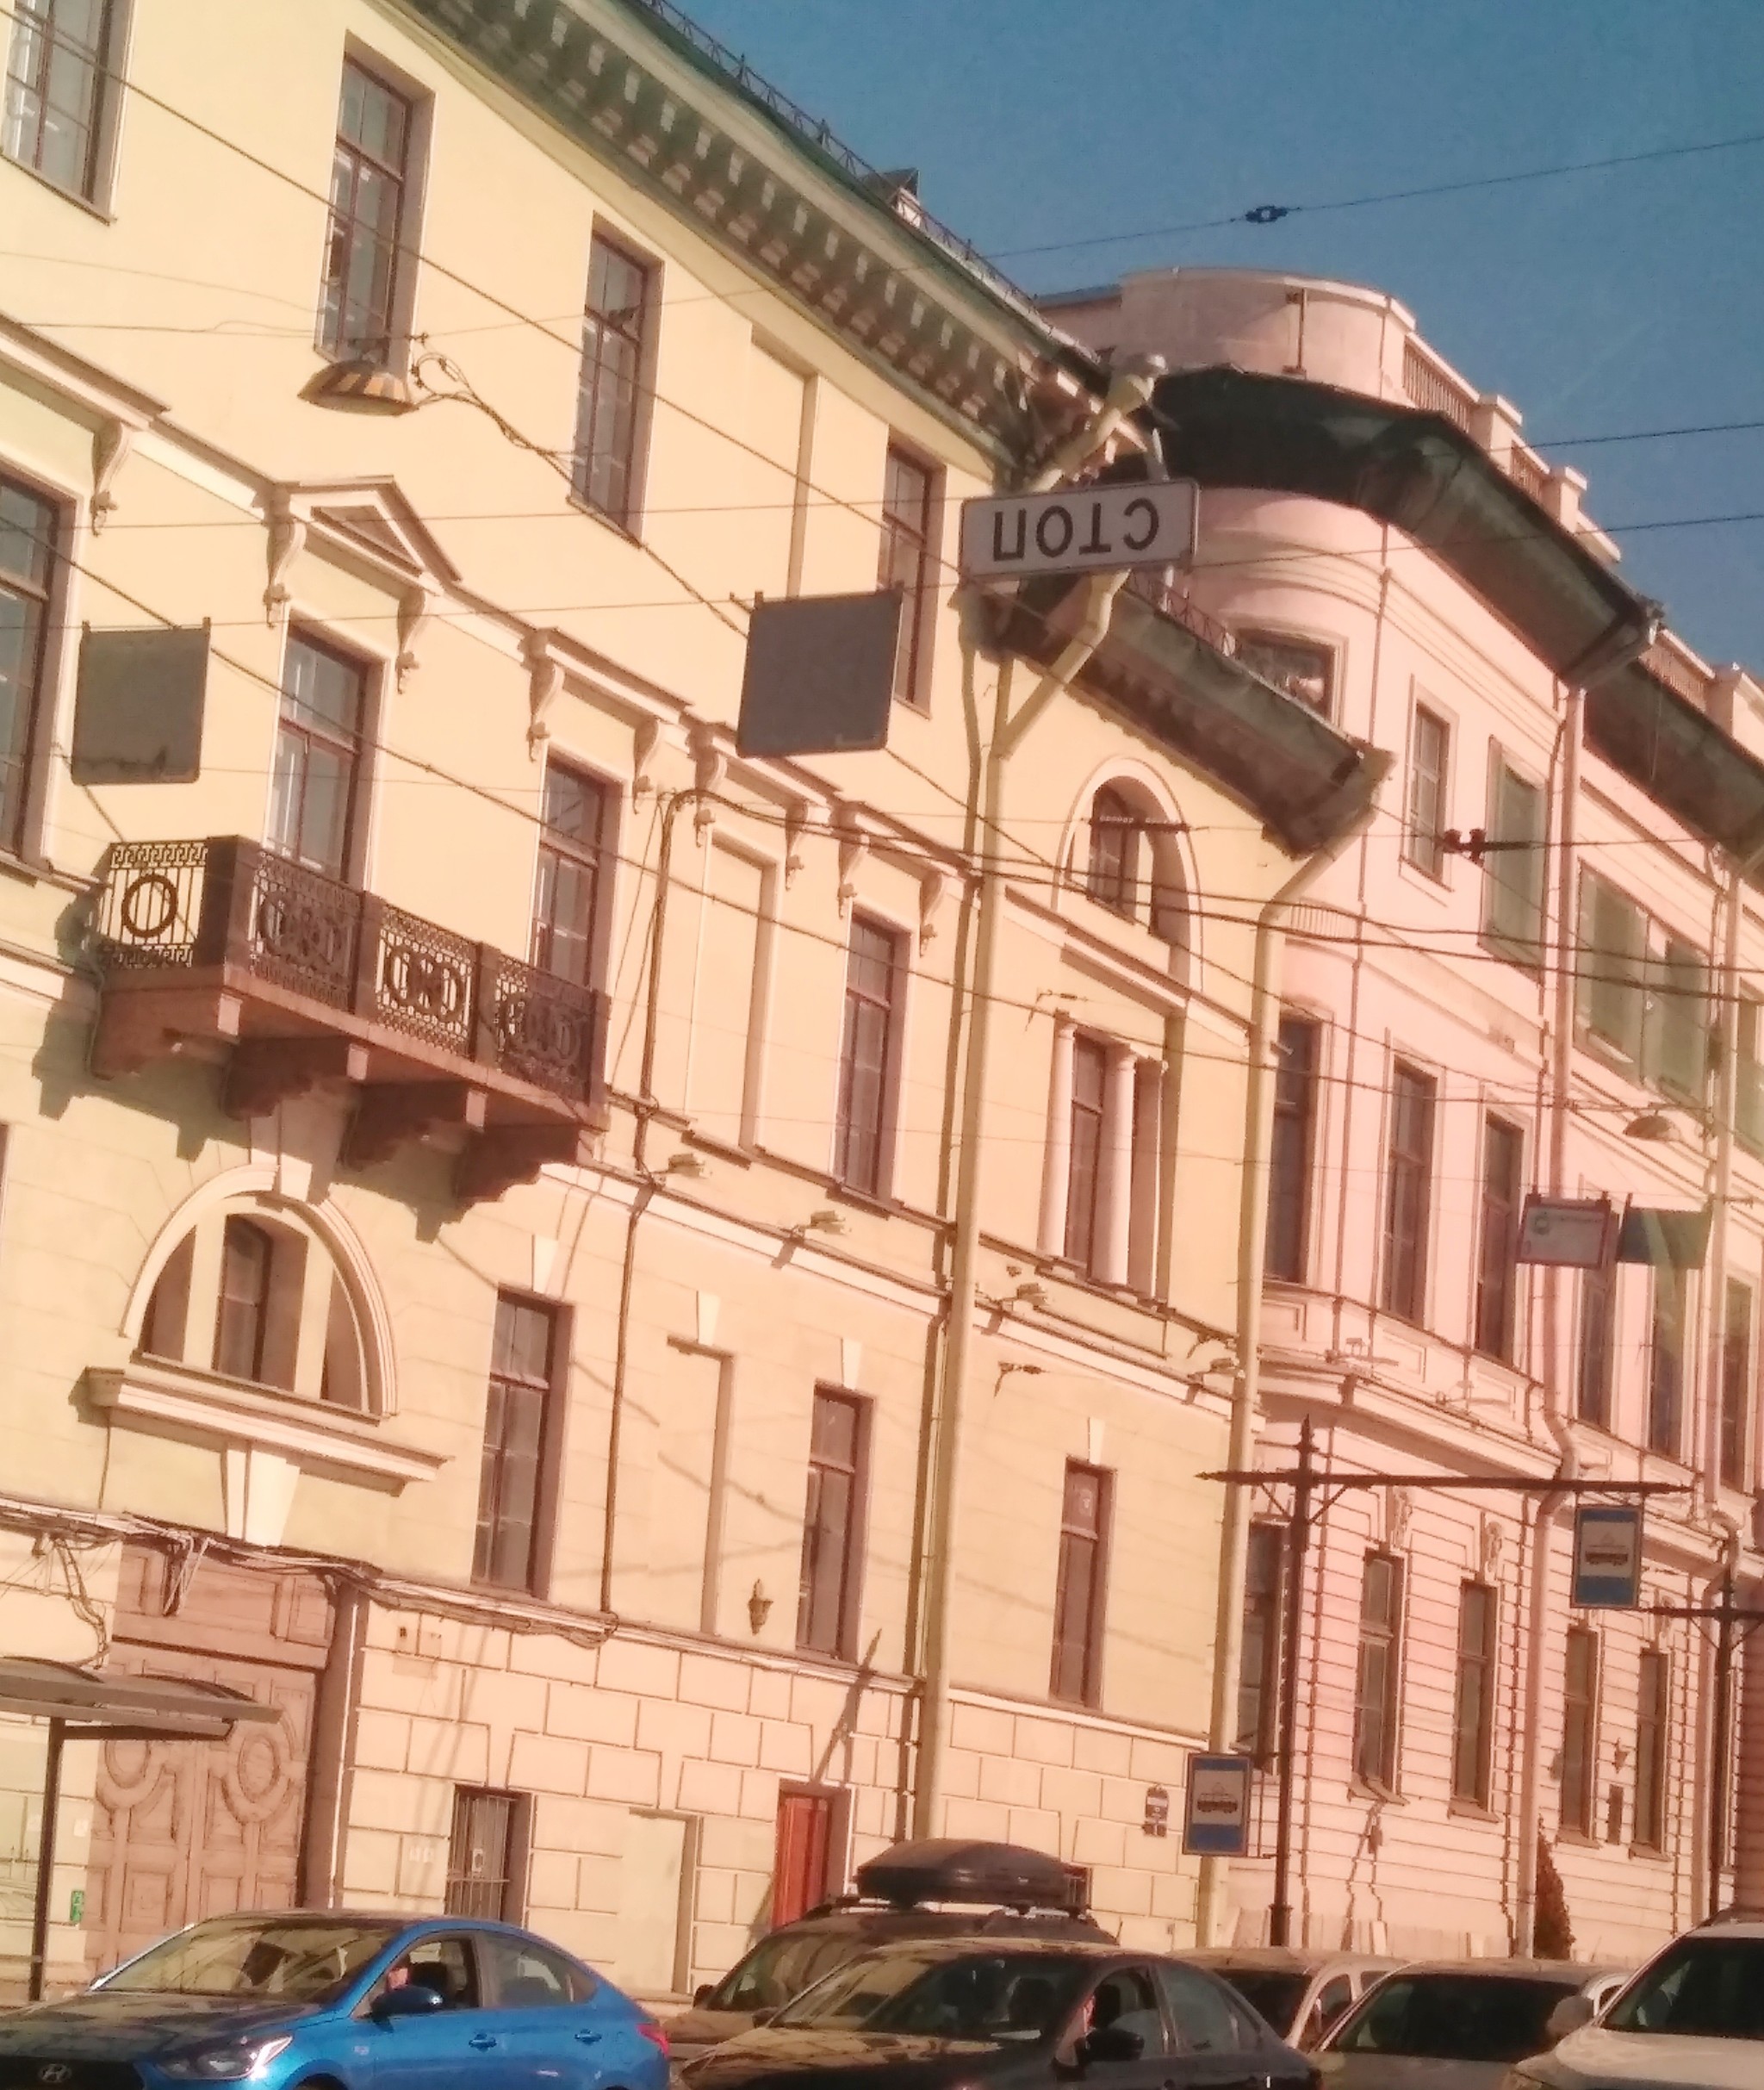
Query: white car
point(1692, 2019)
point(1460, 2024)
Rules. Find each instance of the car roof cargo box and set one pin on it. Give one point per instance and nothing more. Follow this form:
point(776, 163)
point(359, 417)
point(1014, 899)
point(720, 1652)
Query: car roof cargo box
point(950, 1869)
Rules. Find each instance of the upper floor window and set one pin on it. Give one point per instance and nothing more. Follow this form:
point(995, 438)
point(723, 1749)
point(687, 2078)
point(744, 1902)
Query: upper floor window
point(1133, 868)
point(515, 1427)
point(1301, 668)
point(317, 749)
point(1580, 1729)
point(875, 965)
point(265, 1301)
point(1642, 991)
point(1472, 1707)
point(1408, 1191)
point(1089, 1077)
point(1598, 1355)
point(1259, 1672)
point(1298, 1051)
point(1103, 1216)
point(609, 412)
point(1735, 1383)
point(1077, 1603)
point(27, 556)
point(1377, 1688)
point(1512, 901)
point(825, 1619)
point(59, 90)
point(909, 562)
point(1749, 1074)
point(1497, 1246)
point(369, 174)
point(1653, 1734)
point(1430, 751)
point(1668, 1340)
point(566, 892)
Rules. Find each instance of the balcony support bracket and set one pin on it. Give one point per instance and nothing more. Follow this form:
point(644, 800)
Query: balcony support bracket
point(507, 1154)
point(396, 1112)
point(138, 1025)
point(265, 1072)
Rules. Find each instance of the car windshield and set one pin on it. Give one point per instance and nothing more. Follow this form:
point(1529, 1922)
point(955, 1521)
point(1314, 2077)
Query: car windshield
point(1000, 1998)
point(779, 1968)
point(1709, 1988)
point(279, 1961)
point(1273, 1993)
point(1454, 2016)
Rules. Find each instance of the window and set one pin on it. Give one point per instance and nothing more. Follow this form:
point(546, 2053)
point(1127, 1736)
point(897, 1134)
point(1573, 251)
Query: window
point(615, 346)
point(1298, 1049)
point(1204, 2018)
point(1598, 1344)
point(1090, 1081)
point(1653, 1719)
point(1375, 1683)
point(27, 554)
point(521, 1973)
point(243, 1320)
point(58, 90)
point(1077, 1603)
point(1303, 670)
point(1666, 1360)
point(1610, 992)
point(1113, 879)
point(566, 904)
point(1473, 1707)
point(1749, 1076)
point(1430, 749)
point(801, 1868)
point(369, 173)
point(1497, 1248)
point(824, 1614)
point(1407, 1191)
point(521, 1367)
point(1579, 1729)
point(1735, 1383)
point(1259, 1672)
point(1513, 903)
point(875, 966)
point(484, 1854)
point(907, 563)
point(447, 1965)
point(318, 747)
point(1676, 1056)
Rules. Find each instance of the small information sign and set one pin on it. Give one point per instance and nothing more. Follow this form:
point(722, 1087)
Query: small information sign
point(1608, 1556)
point(1217, 1821)
point(1571, 1233)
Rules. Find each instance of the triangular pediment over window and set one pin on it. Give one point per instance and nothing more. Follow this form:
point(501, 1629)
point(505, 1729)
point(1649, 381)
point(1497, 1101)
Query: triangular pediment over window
point(373, 518)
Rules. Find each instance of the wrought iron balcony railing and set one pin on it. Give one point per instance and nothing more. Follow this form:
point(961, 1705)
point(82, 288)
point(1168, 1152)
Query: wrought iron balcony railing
point(307, 957)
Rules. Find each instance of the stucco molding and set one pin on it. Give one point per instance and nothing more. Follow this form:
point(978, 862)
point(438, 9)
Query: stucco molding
point(257, 1418)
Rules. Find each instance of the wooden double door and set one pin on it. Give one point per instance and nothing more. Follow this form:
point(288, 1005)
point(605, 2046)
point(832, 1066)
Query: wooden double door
point(182, 1830)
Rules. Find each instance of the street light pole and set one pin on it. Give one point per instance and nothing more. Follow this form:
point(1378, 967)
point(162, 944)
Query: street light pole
point(1727, 1616)
point(1298, 1541)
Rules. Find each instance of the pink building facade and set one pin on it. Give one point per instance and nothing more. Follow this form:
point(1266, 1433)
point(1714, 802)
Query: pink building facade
point(1574, 1012)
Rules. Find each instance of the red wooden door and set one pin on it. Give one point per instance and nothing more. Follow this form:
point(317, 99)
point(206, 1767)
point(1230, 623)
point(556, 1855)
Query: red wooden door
point(804, 1843)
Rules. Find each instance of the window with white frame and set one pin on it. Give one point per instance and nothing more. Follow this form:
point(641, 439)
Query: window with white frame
point(1430, 758)
point(1101, 1181)
point(1642, 991)
point(1514, 865)
point(62, 90)
point(1132, 866)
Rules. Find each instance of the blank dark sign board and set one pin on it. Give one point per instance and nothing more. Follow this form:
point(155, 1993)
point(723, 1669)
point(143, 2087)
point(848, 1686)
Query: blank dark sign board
point(138, 711)
point(820, 674)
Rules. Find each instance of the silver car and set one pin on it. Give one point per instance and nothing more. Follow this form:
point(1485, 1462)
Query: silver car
point(1458, 2024)
point(1301, 1992)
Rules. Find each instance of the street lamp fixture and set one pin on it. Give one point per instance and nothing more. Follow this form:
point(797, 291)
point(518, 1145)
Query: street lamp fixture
point(359, 384)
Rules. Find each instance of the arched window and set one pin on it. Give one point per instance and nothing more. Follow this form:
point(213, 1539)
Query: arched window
point(251, 1294)
point(1134, 868)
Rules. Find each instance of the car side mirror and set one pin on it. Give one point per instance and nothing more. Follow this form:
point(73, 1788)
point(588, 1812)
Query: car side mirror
point(1111, 2042)
point(764, 2017)
point(702, 1995)
point(1568, 2016)
point(413, 1999)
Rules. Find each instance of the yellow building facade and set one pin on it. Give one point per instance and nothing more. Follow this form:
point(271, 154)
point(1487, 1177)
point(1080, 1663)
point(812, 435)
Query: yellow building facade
point(480, 1154)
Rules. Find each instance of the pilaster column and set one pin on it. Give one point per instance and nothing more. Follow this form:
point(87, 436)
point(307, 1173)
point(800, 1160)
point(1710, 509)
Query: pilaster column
point(1114, 1193)
point(1142, 1225)
point(1056, 1163)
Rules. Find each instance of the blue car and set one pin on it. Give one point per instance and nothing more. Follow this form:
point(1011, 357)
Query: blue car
point(340, 2002)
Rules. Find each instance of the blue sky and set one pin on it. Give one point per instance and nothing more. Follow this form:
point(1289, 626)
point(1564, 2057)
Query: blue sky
point(1631, 298)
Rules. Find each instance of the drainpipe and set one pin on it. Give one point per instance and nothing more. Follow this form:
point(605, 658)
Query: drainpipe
point(1246, 1385)
point(1130, 391)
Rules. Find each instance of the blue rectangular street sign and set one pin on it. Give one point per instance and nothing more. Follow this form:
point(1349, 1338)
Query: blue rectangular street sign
point(1607, 1556)
point(1217, 1822)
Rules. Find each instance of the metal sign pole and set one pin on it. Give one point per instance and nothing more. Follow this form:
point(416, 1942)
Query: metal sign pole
point(1727, 1616)
point(1298, 1540)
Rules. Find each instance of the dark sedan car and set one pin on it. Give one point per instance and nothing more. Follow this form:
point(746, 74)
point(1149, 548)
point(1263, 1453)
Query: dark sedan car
point(286, 2000)
point(931, 2014)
